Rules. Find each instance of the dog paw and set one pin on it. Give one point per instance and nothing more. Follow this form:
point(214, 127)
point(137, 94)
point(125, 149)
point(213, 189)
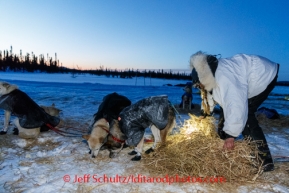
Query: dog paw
point(149, 150)
point(3, 132)
point(15, 131)
point(132, 153)
point(125, 146)
point(136, 158)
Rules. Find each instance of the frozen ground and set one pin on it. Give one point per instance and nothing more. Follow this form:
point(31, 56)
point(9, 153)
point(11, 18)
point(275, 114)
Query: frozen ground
point(45, 165)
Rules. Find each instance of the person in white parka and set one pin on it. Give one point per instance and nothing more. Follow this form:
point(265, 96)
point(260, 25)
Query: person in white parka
point(239, 84)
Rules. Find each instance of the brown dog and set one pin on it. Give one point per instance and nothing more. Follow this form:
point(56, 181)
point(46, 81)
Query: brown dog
point(108, 110)
point(97, 137)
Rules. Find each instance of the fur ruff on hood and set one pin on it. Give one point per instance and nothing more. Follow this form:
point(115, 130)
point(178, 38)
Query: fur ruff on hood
point(205, 74)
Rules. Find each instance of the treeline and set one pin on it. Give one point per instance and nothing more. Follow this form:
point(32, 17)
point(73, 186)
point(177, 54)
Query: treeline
point(32, 63)
point(136, 73)
point(29, 63)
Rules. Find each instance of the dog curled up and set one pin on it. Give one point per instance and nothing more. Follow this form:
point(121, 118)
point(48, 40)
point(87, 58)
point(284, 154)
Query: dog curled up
point(30, 116)
point(154, 112)
point(108, 110)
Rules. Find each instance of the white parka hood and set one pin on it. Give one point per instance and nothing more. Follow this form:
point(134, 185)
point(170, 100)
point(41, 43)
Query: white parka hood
point(199, 62)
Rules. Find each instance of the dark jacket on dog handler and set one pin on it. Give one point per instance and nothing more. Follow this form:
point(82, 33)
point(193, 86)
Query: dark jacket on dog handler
point(139, 116)
point(29, 113)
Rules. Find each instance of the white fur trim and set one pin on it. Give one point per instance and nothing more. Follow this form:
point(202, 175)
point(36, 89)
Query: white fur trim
point(206, 77)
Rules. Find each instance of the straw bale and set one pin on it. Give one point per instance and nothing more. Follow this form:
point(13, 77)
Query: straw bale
point(197, 151)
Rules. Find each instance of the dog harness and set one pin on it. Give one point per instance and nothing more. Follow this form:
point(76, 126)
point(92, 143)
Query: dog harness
point(113, 137)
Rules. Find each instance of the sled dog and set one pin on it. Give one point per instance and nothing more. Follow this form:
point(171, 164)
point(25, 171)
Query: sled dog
point(108, 110)
point(97, 137)
point(30, 116)
point(133, 133)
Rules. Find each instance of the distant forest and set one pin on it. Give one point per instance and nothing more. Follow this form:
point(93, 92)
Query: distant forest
point(32, 63)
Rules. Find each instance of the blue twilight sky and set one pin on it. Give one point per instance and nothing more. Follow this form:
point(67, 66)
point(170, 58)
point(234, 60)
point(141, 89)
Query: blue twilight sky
point(145, 34)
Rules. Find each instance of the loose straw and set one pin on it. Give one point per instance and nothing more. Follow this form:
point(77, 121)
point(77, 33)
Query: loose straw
point(198, 151)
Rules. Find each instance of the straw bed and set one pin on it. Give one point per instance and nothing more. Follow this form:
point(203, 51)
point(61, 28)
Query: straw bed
point(197, 151)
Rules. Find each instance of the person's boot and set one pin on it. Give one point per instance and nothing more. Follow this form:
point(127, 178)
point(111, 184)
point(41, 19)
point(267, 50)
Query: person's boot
point(268, 164)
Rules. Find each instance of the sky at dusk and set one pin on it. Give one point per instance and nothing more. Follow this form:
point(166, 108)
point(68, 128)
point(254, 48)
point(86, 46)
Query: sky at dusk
point(145, 34)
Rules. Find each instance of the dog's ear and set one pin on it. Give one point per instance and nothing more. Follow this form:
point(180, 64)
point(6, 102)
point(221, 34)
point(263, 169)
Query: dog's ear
point(85, 137)
point(6, 85)
point(53, 105)
point(9, 87)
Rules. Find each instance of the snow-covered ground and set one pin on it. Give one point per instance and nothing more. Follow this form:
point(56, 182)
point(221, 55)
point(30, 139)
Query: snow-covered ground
point(53, 163)
point(85, 78)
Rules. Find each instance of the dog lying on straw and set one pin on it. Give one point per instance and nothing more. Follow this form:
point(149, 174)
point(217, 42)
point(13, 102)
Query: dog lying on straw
point(30, 116)
point(153, 112)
